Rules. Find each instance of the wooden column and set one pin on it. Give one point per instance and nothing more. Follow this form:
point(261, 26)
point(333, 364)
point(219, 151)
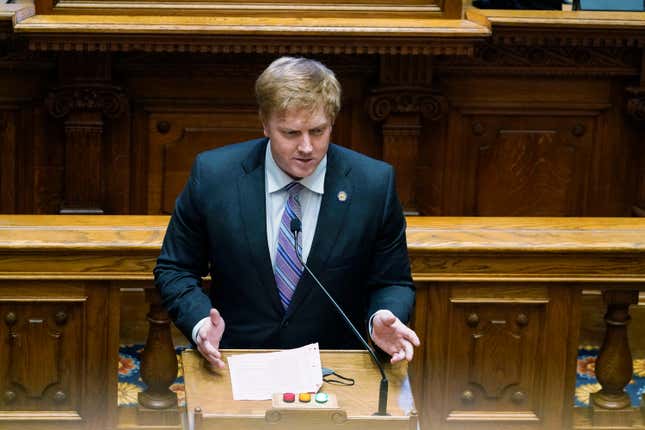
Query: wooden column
point(611, 406)
point(403, 99)
point(84, 98)
point(636, 101)
point(636, 109)
point(158, 360)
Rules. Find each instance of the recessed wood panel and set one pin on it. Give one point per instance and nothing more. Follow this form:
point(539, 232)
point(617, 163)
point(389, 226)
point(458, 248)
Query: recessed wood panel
point(516, 165)
point(42, 357)
point(493, 360)
point(176, 138)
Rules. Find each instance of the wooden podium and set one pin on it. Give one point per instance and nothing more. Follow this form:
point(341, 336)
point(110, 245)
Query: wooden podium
point(210, 404)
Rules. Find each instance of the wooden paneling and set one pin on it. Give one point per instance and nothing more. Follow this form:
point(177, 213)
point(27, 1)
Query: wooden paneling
point(58, 353)
point(175, 140)
point(49, 163)
point(540, 164)
point(26, 179)
point(8, 161)
point(175, 118)
point(545, 147)
point(536, 112)
point(43, 338)
point(522, 278)
point(493, 359)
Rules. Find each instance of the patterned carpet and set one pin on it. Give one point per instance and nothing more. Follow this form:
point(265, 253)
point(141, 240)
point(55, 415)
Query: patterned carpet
point(130, 383)
point(586, 382)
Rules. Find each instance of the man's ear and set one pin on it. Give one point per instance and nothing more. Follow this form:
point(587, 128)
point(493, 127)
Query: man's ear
point(265, 129)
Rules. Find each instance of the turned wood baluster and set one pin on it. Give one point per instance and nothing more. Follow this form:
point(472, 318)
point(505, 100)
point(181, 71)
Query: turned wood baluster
point(611, 405)
point(158, 361)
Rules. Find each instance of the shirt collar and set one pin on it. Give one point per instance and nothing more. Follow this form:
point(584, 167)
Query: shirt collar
point(276, 179)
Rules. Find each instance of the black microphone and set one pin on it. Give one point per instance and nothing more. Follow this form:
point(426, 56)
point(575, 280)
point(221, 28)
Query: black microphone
point(296, 227)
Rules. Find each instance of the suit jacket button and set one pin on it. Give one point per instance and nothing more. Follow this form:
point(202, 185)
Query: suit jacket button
point(285, 323)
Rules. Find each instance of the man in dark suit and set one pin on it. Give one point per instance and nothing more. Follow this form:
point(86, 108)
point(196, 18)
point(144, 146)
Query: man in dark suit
point(233, 219)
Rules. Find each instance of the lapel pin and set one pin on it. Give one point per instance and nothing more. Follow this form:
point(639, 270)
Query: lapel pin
point(342, 196)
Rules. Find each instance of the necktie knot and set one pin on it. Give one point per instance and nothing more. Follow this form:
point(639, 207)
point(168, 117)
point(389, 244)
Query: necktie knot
point(294, 189)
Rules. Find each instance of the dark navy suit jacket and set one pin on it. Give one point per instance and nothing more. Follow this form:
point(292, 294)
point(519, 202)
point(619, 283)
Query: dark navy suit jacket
point(359, 252)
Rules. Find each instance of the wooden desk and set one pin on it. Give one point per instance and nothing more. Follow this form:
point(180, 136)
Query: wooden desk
point(497, 311)
point(210, 399)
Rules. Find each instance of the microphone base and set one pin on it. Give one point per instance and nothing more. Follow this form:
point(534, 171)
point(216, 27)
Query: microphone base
point(378, 414)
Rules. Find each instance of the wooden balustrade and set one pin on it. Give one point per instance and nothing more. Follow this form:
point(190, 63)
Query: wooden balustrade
point(508, 289)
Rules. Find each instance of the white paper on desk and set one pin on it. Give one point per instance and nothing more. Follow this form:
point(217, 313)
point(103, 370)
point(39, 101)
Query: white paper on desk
point(258, 376)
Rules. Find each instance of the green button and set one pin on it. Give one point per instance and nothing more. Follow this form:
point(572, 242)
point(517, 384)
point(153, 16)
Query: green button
point(322, 398)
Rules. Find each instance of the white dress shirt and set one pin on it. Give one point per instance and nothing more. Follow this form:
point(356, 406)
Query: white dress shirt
point(276, 199)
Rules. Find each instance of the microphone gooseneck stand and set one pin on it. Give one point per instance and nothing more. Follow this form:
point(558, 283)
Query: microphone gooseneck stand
point(296, 227)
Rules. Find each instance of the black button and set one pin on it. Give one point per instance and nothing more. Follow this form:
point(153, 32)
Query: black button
point(285, 323)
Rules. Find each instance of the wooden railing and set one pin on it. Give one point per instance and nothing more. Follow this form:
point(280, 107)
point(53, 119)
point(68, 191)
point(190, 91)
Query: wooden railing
point(498, 311)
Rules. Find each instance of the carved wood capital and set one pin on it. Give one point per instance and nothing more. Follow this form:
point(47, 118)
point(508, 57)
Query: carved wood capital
point(108, 100)
point(423, 101)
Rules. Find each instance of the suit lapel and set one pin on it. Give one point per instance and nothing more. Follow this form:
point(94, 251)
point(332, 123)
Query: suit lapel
point(252, 197)
point(331, 220)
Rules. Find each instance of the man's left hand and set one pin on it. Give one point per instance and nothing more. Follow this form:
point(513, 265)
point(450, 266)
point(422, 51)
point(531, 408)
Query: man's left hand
point(393, 337)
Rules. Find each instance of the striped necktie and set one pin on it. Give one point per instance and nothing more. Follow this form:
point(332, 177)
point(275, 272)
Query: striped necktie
point(288, 268)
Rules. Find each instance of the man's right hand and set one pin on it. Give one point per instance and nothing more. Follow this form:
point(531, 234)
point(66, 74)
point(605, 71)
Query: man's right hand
point(208, 338)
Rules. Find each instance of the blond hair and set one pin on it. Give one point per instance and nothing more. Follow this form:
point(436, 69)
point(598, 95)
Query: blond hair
point(297, 83)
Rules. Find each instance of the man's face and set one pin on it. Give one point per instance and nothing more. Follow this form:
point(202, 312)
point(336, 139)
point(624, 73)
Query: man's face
point(299, 140)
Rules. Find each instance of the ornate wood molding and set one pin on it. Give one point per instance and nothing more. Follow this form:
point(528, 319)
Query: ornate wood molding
point(404, 99)
point(608, 38)
point(490, 58)
point(253, 34)
point(240, 45)
point(108, 100)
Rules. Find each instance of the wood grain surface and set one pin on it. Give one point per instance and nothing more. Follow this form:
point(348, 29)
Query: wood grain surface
point(212, 394)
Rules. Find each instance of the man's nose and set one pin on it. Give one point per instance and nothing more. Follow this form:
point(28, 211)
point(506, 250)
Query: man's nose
point(305, 145)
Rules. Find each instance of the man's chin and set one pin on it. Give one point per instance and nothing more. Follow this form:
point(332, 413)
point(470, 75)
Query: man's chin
point(298, 174)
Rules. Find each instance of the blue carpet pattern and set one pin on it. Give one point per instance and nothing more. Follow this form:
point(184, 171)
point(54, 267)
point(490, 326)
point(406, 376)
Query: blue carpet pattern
point(586, 382)
point(130, 383)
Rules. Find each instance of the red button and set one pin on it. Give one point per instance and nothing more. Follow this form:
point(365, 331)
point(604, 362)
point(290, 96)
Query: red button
point(288, 397)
